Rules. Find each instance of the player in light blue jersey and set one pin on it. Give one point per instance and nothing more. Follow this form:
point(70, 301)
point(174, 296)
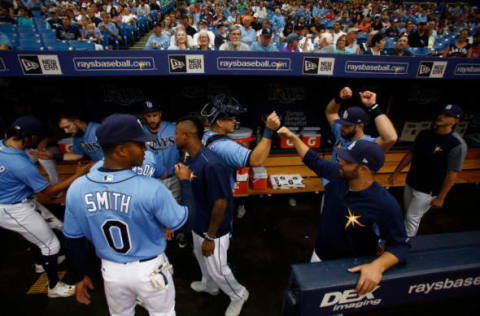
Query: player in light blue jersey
point(349, 127)
point(20, 180)
point(148, 168)
point(221, 114)
point(124, 215)
point(84, 140)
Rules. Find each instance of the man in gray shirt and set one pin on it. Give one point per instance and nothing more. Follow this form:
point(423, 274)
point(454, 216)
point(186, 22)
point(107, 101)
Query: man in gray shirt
point(235, 40)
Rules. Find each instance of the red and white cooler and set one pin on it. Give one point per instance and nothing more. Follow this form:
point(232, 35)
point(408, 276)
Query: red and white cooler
point(311, 137)
point(243, 136)
point(242, 181)
point(259, 178)
point(66, 145)
point(286, 143)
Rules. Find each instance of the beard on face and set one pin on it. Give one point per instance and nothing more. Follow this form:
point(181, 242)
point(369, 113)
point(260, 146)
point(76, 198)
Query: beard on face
point(349, 135)
point(154, 125)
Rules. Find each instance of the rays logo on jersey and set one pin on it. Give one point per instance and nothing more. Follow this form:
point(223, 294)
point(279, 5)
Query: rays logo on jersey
point(161, 143)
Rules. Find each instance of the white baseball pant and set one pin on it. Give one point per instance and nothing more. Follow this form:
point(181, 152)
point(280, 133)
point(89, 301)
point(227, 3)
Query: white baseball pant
point(416, 204)
point(215, 270)
point(124, 282)
point(24, 219)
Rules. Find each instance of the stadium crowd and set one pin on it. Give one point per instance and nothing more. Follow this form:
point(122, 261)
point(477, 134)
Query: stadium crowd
point(333, 27)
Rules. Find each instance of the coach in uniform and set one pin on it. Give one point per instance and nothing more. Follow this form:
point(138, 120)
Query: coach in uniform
point(19, 181)
point(437, 156)
point(354, 203)
point(84, 140)
point(124, 215)
point(221, 113)
point(213, 213)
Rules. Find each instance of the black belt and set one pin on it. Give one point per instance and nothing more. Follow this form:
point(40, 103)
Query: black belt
point(144, 260)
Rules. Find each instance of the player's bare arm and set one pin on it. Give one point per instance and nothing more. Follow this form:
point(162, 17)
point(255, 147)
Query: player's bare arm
point(388, 135)
point(371, 273)
point(218, 212)
point(447, 184)
point(333, 107)
point(262, 150)
point(406, 160)
point(300, 146)
point(63, 185)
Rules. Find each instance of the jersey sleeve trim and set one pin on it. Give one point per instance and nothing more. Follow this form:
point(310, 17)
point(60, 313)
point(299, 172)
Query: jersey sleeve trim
point(73, 236)
point(183, 221)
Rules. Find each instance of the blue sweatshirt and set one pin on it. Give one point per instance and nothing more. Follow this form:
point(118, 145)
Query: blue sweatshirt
point(345, 227)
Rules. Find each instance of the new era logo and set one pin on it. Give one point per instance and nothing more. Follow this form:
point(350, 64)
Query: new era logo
point(177, 63)
point(425, 69)
point(30, 65)
point(310, 65)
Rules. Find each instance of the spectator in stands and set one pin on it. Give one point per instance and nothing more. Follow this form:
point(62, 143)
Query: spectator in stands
point(265, 24)
point(476, 46)
point(249, 35)
point(278, 20)
point(325, 44)
point(168, 26)
point(155, 6)
point(128, 17)
point(91, 33)
point(365, 26)
point(260, 11)
point(235, 40)
point(5, 43)
point(377, 24)
point(24, 17)
point(352, 45)
point(92, 17)
point(143, 9)
point(66, 31)
point(305, 44)
point(401, 47)
point(317, 25)
point(393, 30)
point(377, 45)
point(341, 45)
point(181, 41)
point(292, 43)
point(158, 40)
point(189, 29)
point(203, 41)
point(286, 31)
point(222, 36)
point(232, 18)
point(419, 38)
point(337, 32)
point(112, 35)
point(53, 19)
point(461, 48)
point(5, 15)
point(189, 38)
point(204, 27)
point(265, 44)
point(220, 19)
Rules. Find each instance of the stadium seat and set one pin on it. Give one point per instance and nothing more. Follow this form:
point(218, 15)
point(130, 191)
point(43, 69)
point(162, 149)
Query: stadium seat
point(82, 45)
point(60, 45)
point(30, 46)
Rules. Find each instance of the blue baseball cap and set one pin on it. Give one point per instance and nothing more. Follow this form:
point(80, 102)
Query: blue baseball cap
point(266, 31)
point(363, 152)
point(29, 125)
point(353, 116)
point(149, 106)
point(118, 128)
point(453, 110)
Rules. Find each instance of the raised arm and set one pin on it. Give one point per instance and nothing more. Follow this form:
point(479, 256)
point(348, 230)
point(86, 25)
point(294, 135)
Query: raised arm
point(262, 150)
point(333, 107)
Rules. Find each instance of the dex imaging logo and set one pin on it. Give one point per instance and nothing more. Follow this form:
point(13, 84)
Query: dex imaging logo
point(349, 299)
point(186, 64)
point(40, 64)
point(431, 69)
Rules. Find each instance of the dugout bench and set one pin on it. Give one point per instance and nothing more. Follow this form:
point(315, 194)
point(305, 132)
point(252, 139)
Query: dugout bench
point(292, 163)
point(438, 266)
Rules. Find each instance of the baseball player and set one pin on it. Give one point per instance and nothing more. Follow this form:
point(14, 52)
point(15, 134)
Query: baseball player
point(19, 181)
point(437, 156)
point(84, 140)
point(221, 114)
point(354, 202)
point(213, 197)
point(124, 215)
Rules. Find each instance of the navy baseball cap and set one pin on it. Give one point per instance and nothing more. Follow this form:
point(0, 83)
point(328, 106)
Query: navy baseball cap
point(266, 31)
point(118, 128)
point(203, 21)
point(353, 116)
point(149, 106)
point(363, 152)
point(453, 110)
point(292, 37)
point(29, 125)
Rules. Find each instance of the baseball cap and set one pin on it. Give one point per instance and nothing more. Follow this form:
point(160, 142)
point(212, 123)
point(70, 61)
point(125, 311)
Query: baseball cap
point(453, 110)
point(352, 116)
point(203, 21)
point(266, 31)
point(352, 29)
point(118, 128)
point(28, 125)
point(363, 152)
point(149, 106)
point(219, 25)
point(292, 37)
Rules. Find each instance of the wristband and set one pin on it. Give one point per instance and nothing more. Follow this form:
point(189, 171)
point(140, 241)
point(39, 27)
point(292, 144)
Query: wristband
point(375, 110)
point(207, 236)
point(339, 100)
point(57, 157)
point(268, 133)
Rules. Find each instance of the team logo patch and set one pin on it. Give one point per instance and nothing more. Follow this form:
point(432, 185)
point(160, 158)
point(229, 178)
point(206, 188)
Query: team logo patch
point(108, 178)
point(352, 220)
point(2, 168)
point(437, 149)
point(352, 145)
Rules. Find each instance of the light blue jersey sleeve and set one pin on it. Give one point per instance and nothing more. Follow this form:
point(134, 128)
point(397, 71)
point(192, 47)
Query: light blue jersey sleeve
point(77, 149)
point(235, 155)
point(29, 174)
point(166, 209)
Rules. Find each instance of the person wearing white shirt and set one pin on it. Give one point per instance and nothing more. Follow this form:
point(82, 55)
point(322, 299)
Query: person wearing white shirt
point(143, 8)
point(337, 32)
point(204, 27)
point(260, 12)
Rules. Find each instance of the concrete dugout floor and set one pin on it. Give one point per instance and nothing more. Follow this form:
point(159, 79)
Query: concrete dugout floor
point(267, 240)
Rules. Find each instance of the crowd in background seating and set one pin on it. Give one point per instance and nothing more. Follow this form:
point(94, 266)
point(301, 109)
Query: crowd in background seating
point(335, 27)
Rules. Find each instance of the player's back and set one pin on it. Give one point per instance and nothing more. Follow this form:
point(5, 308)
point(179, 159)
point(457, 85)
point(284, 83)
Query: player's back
point(123, 214)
